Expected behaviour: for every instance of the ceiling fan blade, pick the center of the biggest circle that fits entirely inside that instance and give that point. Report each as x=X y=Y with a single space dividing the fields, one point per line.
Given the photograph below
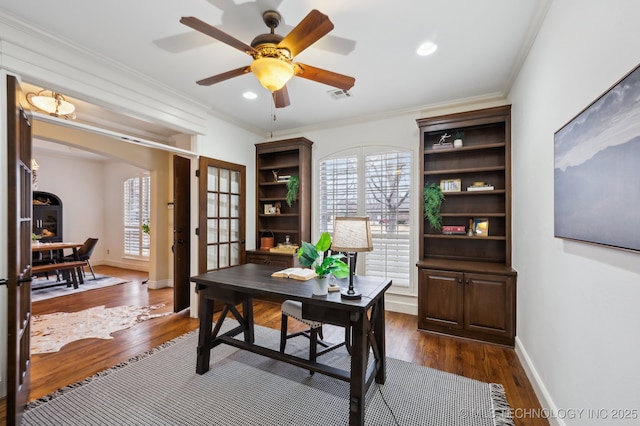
x=212 y=31
x=281 y=97
x=334 y=79
x=224 y=76
x=312 y=28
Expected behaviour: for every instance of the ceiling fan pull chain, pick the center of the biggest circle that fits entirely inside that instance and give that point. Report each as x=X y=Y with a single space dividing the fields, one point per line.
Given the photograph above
x=273 y=115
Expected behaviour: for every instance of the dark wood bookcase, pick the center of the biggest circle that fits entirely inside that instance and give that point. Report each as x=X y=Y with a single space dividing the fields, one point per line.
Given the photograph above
x=286 y=158
x=466 y=284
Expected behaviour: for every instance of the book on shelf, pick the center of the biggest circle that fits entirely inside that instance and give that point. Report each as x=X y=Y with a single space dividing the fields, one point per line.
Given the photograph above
x=481 y=188
x=284 y=178
x=443 y=145
x=453 y=230
x=300 y=274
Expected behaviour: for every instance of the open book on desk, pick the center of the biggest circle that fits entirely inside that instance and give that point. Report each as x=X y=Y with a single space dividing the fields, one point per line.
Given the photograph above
x=300 y=274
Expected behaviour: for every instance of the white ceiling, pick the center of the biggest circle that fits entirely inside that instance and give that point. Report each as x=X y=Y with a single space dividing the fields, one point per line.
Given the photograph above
x=481 y=45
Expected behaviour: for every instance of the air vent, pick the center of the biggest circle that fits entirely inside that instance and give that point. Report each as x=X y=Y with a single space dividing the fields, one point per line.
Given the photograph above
x=339 y=94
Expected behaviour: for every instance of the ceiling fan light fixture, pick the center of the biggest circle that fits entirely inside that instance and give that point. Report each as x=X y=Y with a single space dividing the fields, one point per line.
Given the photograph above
x=272 y=73
x=54 y=104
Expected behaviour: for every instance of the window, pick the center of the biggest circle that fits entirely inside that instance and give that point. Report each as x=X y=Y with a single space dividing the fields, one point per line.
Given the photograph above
x=136 y=214
x=377 y=185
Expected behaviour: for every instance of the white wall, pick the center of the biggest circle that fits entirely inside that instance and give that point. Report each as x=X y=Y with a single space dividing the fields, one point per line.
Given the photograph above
x=577 y=304
x=79 y=184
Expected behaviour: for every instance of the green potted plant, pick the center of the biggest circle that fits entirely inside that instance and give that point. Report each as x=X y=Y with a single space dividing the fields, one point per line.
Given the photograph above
x=311 y=256
x=433 y=197
x=457 y=140
x=292 y=189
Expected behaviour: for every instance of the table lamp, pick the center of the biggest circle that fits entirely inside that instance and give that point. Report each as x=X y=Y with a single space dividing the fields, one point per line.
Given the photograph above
x=351 y=235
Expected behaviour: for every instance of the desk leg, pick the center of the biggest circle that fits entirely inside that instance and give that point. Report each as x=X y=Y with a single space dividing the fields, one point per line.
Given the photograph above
x=379 y=341
x=204 y=336
x=358 y=369
x=247 y=311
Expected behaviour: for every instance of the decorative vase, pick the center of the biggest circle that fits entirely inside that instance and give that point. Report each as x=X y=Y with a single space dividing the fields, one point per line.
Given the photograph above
x=321 y=286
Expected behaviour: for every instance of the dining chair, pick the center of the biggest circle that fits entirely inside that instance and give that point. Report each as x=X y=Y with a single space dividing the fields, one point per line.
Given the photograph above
x=84 y=254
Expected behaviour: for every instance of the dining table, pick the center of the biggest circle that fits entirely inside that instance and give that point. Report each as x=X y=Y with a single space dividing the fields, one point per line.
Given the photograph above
x=59 y=247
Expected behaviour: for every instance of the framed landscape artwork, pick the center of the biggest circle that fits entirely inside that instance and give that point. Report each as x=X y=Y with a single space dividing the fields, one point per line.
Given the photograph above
x=597 y=170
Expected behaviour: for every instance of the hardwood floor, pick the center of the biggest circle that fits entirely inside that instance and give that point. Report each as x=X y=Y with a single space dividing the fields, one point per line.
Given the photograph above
x=80 y=359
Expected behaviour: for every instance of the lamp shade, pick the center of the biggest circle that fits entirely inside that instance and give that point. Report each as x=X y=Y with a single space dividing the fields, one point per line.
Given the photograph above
x=272 y=73
x=352 y=234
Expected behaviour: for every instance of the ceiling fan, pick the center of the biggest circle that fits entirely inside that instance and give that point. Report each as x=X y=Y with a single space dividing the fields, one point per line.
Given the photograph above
x=273 y=54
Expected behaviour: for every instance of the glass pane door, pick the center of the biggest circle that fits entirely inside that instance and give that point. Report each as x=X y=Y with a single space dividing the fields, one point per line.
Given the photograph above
x=222 y=233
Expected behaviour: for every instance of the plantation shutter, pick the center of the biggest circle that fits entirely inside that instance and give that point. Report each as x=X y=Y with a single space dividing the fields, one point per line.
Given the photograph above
x=387 y=203
x=338 y=190
x=136 y=213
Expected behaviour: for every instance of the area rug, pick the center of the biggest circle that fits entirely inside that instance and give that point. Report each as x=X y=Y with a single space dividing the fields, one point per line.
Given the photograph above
x=241 y=388
x=51 y=332
x=39 y=293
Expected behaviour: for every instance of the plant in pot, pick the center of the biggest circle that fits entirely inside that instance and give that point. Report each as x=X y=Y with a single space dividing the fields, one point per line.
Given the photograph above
x=292 y=189
x=433 y=198
x=457 y=141
x=312 y=256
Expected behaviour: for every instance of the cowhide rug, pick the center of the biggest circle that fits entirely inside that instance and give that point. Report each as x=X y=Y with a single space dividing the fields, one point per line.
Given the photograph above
x=51 y=332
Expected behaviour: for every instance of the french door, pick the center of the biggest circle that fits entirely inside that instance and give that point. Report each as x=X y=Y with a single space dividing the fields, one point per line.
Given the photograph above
x=221 y=228
x=19 y=209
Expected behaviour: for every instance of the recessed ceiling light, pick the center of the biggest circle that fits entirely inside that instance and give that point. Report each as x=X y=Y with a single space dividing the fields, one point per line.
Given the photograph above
x=427 y=48
x=250 y=95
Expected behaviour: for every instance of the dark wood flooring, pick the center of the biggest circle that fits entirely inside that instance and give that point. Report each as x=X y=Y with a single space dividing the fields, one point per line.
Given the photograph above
x=80 y=359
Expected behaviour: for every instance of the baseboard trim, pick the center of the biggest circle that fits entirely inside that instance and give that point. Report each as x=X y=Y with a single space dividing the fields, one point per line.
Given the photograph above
x=155 y=285
x=538 y=385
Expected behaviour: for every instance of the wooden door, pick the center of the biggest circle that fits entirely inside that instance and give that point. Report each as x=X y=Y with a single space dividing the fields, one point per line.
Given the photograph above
x=181 y=232
x=18 y=252
x=222 y=204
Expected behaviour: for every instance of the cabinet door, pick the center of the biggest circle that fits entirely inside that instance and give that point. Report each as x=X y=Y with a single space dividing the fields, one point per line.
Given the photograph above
x=46 y=223
x=489 y=304
x=440 y=300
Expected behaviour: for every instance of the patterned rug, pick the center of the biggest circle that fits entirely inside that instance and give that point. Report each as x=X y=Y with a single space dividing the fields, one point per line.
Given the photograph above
x=241 y=388
x=51 y=332
x=46 y=288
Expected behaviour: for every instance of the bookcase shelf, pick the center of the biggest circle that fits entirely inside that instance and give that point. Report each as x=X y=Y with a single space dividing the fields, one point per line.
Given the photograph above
x=290 y=157
x=466 y=286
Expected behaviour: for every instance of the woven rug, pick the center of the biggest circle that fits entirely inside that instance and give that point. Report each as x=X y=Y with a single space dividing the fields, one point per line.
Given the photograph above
x=41 y=287
x=161 y=387
x=51 y=332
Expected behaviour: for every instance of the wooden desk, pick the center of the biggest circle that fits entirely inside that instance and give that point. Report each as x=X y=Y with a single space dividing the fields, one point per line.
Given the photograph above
x=51 y=247
x=240 y=284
